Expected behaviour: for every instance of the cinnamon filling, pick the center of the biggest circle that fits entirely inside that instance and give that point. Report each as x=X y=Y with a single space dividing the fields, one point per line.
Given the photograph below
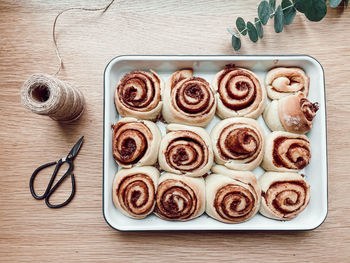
x=130 y=142
x=240 y=94
x=309 y=109
x=187 y=153
x=137 y=90
x=194 y=91
x=287 y=197
x=297 y=156
x=134 y=197
x=131 y=95
x=180 y=156
x=128 y=148
x=238 y=143
x=175 y=200
x=241 y=141
x=233 y=202
x=136 y=193
x=193 y=96
x=242 y=85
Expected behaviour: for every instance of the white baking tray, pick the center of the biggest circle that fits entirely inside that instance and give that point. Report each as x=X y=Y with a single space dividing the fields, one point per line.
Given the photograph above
x=206 y=67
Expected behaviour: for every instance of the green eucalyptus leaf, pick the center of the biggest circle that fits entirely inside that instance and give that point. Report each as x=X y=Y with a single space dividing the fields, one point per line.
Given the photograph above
x=240 y=24
x=236 y=42
x=253 y=34
x=302 y=5
x=259 y=28
x=272 y=4
x=314 y=10
x=289 y=12
x=334 y=3
x=317 y=10
x=264 y=12
x=278 y=23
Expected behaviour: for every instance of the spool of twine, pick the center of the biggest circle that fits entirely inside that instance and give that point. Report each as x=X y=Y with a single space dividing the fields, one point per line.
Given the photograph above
x=47 y=95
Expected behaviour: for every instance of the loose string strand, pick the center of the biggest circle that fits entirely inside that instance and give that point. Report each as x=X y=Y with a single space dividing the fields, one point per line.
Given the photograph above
x=54 y=28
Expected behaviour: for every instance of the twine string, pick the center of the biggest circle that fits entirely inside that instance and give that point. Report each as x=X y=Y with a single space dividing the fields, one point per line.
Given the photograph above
x=46 y=95
x=54 y=28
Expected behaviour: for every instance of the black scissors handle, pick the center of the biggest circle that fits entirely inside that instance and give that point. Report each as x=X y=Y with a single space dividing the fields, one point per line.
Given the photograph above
x=49 y=189
x=54 y=189
x=32 y=178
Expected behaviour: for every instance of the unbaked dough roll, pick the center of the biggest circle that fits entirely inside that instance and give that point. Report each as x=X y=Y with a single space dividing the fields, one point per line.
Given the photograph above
x=138 y=94
x=284 y=195
x=135 y=142
x=180 y=198
x=186 y=150
x=238 y=143
x=286 y=151
x=281 y=82
x=239 y=93
x=188 y=100
x=293 y=113
x=232 y=196
x=134 y=191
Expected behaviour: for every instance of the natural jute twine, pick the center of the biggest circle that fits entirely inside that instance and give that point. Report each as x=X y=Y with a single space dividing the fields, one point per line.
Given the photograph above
x=47 y=95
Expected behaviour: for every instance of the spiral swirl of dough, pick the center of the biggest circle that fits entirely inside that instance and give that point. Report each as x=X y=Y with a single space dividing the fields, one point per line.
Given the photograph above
x=281 y=82
x=180 y=197
x=188 y=100
x=134 y=190
x=238 y=143
x=286 y=151
x=239 y=93
x=284 y=195
x=135 y=142
x=186 y=150
x=138 y=94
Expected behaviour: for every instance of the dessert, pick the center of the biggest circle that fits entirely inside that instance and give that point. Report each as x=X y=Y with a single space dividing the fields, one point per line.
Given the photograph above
x=238 y=143
x=239 y=93
x=188 y=100
x=134 y=191
x=232 y=196
x=138 y=94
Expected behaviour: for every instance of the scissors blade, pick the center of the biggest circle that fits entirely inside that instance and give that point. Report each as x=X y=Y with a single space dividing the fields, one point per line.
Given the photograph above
x=75 y=148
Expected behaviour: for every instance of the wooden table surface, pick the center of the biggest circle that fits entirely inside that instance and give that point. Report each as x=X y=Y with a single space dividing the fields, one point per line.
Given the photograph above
x=88 y=41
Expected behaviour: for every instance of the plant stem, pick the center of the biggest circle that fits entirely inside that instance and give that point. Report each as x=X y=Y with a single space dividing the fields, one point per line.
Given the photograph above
x=287 y=7
x=258 y=21
x=243 y=30
x=271 y=15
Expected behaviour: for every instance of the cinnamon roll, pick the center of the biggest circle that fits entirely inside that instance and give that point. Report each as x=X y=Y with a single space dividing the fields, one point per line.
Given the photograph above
x=138 y=94
x=239 y=93
x=238 y=143
x=180 y=198
x=293 y=113
x=284 y=195
x=134 y=191
x=232 y=196
x=188 y=100
x=286 y=151
x=135 y=142
x=281 y=82
x=186 y=150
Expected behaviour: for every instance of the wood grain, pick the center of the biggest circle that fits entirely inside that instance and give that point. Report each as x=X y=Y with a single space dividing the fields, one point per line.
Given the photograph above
x=88 y=41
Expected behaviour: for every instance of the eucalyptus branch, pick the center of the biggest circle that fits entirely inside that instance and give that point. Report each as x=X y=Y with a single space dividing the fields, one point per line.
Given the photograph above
x=284 y=14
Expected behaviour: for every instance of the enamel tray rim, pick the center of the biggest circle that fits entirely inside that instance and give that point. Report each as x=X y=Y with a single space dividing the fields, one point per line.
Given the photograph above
x=207 y=58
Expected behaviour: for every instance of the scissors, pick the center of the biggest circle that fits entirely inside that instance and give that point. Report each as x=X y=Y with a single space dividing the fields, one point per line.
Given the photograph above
x=50 y=190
